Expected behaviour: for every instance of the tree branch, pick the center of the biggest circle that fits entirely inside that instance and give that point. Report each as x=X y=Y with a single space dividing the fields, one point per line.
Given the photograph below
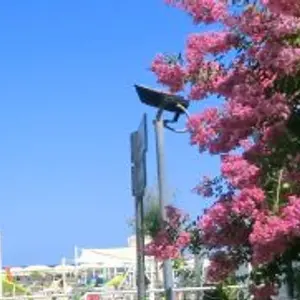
x=278 y=190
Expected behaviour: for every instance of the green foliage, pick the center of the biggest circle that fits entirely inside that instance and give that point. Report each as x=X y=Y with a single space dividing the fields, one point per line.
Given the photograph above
x=217 y=294
x=293 y=40
x=152 y=217
x=223 y=292
x=178 y=264
x=36 y=276
x=186 y=276
x=9 y=288
x=283 y=147
x=116 y=281
x=152 y=214
x=195 y=246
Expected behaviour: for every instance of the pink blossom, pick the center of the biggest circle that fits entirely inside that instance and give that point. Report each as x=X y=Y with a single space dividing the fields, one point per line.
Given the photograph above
x=239 y=171
x=174 y=216
x=168 y=73
x=203 y=127
x=205 y=188
x=264 y=291
x=289 y=7
x=206 y=11
x=162 y=247
x=221 y=266
x=183 y=239
x=206 y=74
x=220 y=227
x=258 y=218
x=268 y=238
x=172 y=238
x=198 y=45
x=279 y=57
x=248 y=201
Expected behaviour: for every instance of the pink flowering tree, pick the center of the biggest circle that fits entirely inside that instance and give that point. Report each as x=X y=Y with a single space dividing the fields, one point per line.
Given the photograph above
x=172 y=238
x=252 y=63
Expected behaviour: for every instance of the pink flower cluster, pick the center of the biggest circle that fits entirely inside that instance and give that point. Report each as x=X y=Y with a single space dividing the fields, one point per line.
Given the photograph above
x=175 y=217
x=248 y=202
x=239 y=172
x=171 y=239
x=221 y=266
x=289 y=7
x=272 y=234
x=264 y=291
x=259 y=217
x=202 y=127
x=282 y=58
x=221 y=227
x=162 y=247
x=205 y=188
x=198 y=45
x=168 y=73
x=207 y=11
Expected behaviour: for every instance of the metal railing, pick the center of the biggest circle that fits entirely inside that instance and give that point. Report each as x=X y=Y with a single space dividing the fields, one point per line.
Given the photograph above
x=187 y=293
x=39 y=297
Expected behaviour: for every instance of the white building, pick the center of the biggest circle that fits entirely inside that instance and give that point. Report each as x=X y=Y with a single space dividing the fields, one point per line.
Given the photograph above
x=112 y=261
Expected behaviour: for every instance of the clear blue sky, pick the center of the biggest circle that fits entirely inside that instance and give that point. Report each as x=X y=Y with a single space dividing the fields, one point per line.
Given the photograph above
x=67 y=108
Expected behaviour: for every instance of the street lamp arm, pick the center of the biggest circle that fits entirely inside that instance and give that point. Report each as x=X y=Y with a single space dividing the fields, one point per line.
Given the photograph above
x=175 y=119
x=183 y=109
x=159 y=114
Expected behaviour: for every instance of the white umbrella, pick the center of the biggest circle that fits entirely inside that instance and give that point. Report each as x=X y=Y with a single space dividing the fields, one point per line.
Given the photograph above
x=37 y=268
x=17 y=270
x=90 y=266
x=63 y=268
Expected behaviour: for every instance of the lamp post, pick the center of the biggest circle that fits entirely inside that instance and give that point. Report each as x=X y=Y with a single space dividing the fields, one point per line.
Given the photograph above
x=177 y=105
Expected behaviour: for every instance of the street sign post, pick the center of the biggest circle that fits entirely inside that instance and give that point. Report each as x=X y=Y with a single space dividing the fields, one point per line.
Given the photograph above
x=139 y=147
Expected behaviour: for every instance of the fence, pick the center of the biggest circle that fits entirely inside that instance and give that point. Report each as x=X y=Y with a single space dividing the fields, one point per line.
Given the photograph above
x=191 y=293
x=187 y=293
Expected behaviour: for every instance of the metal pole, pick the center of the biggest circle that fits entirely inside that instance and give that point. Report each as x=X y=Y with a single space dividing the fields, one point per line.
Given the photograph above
x=162 y=190
x=76 y=263
x=63 y=263
x=140 y=248
x=198 y=272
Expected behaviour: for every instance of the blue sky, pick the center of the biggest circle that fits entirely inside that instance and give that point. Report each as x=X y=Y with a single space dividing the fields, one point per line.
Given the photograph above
x=67 y=109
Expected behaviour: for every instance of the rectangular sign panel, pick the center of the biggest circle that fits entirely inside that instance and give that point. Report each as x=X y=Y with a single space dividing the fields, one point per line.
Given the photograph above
x=140 y=140
x=139 y=146
x=140 y=178
x=142 y=135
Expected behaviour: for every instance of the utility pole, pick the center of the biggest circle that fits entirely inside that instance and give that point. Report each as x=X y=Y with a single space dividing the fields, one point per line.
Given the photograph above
x=162 y=190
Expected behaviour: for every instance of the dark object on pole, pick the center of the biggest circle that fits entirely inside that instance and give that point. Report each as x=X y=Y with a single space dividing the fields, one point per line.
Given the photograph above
x=159 y=99
x=178 y=105
x=139 y=146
